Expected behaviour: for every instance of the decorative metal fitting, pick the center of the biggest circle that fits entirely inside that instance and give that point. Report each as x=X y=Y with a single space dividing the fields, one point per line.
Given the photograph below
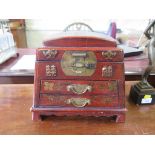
x=109 y=54
x=50 y=53
x=107 y=71
x=51 y=70
x=78 y=102
x=79 y=88
x=48 y=86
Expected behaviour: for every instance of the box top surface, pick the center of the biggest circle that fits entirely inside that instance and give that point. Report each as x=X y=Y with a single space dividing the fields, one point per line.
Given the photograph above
x=80 y=39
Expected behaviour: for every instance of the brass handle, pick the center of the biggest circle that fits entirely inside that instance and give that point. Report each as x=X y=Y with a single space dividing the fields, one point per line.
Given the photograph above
x=79 y=54
x=79 y=88
x=78 y=26
x=78 y=102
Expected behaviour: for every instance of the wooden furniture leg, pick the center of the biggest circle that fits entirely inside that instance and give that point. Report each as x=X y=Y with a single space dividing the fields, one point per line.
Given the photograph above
x=35 y=116
x=120 y=118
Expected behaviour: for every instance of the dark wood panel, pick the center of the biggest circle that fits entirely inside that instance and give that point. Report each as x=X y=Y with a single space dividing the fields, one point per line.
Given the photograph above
x=17 y=27
x=16 y=79
x=19 y=36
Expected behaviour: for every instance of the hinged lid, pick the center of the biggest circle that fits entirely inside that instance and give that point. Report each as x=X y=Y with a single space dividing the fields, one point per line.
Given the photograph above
x=80 y=38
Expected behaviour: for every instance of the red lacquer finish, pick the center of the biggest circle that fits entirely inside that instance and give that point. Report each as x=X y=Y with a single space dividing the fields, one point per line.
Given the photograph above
x=79 y=42
x=97 y=87
x=116 y=68
x=100 y=93
x=98 y=51
x=95 y=100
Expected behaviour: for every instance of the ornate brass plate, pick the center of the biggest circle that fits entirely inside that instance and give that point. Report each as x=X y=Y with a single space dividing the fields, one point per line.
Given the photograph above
x=51 y=70
x=109 y=54
x=78 y=63
x=50 y=53
x=107 y=71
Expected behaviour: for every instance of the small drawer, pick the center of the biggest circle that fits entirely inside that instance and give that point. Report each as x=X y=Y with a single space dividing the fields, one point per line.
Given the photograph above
x=79 y=87
x=101 y=71
x=78 y=101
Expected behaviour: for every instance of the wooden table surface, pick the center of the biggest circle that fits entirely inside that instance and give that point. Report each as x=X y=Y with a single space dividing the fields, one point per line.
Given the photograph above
x=15 y=117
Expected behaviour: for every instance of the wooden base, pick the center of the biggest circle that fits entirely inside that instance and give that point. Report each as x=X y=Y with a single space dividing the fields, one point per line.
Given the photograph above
x=120 y=118
x=35 y=116
x=118 y=113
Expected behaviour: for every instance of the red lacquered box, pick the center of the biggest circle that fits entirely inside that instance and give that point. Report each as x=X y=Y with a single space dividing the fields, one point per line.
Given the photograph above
x=80 y=73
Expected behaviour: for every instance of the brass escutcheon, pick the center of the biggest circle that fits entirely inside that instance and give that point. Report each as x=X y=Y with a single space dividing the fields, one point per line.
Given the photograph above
x=78 y=63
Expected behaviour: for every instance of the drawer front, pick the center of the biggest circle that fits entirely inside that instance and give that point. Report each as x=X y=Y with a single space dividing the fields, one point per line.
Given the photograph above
x=78 y=101
x=102 y=71
x=101 y=54
x=79 y=87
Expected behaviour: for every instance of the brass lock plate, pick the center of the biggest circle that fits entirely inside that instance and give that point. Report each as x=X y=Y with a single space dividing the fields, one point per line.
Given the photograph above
x=78 y=63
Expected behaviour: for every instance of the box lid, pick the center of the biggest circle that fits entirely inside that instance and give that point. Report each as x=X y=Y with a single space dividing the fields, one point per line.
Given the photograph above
x=80 y=39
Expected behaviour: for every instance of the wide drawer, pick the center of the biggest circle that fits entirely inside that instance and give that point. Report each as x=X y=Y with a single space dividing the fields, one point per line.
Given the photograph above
x=102 y=54
x=79 y=87
x=101 y=71
x=78 y=101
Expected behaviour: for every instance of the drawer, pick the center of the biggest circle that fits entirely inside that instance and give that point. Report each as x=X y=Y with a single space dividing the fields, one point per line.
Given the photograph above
x=79 y=87
x=101 y=54
x=101 y=71
x=78 y=101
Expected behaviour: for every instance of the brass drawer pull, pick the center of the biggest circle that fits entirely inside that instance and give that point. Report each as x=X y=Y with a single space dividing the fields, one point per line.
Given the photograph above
x=79 y=88
x=78 y=102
